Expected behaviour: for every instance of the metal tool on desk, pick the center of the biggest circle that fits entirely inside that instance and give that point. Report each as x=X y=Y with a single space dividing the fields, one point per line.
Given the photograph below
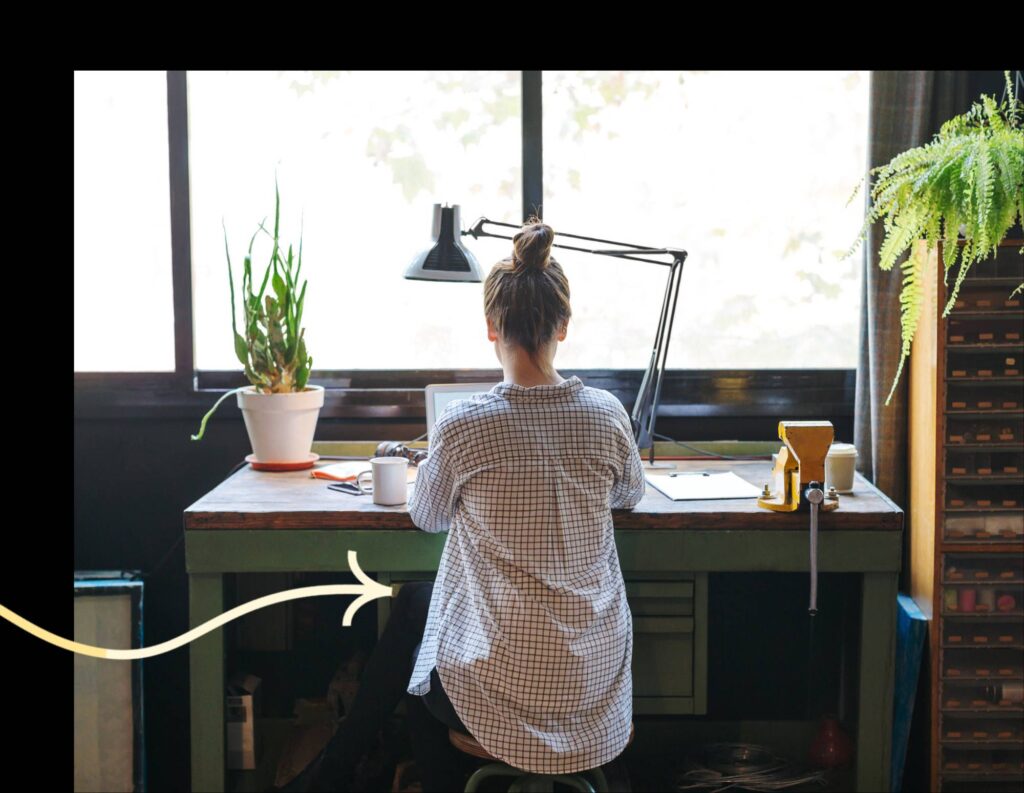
x=798 y=481
x=396 y=449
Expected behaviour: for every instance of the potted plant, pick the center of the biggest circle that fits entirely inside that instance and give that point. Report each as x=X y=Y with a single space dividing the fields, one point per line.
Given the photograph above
x=970 y=179
x=280 y=408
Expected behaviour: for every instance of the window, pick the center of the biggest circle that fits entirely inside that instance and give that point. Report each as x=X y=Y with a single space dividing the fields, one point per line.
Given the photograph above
x=124 y=320
x=749 y=172
x=680 y=159
x=361 y=157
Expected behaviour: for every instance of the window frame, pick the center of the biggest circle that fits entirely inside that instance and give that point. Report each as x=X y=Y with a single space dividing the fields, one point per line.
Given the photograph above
x=398 y=393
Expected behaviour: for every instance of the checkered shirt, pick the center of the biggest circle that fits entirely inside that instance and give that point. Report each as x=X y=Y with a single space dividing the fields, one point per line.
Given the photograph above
x=528 y=626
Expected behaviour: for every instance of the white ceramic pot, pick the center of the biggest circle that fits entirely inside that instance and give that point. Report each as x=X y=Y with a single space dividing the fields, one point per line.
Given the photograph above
x=281 y=426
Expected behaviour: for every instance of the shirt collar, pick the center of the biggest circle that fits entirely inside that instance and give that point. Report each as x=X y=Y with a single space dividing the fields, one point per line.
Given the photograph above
x=563 y=390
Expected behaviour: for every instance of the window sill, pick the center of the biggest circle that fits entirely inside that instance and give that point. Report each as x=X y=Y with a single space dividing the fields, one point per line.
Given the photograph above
x=398 y=394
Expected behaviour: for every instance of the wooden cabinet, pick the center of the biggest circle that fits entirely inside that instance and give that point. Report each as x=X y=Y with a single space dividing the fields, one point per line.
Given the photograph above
x=967 y=520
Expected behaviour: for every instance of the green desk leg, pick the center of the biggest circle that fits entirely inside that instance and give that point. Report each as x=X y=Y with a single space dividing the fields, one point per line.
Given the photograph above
x=877 y=671
x=206 y=687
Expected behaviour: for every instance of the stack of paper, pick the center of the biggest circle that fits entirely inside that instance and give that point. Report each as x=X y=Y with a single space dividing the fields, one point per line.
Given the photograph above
x=700 y=486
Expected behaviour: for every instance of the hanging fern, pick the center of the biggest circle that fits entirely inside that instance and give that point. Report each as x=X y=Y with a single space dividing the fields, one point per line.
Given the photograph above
x=972 y=176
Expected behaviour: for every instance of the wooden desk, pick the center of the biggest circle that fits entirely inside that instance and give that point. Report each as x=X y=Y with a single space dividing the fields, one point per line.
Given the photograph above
x=278 y=522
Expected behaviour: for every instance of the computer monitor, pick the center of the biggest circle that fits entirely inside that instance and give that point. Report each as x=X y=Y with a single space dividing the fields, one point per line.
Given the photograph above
x=437 y=396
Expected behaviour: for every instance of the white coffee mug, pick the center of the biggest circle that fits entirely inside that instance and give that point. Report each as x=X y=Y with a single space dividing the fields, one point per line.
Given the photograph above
x=390 y=477
x=839 y=467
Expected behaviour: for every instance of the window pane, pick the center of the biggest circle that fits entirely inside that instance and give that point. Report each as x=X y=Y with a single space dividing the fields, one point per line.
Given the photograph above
x=360 y=157
x=750 y=173
x=124 y=314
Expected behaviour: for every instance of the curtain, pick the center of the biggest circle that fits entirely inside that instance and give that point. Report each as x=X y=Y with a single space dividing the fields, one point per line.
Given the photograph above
x=906 y=109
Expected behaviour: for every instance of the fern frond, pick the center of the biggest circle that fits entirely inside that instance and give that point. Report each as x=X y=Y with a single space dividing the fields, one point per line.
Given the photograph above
x=856 y=190
x=984 y=187
x=911 y=300
x=1009 y=163
x=906 y=229
x=966 y=260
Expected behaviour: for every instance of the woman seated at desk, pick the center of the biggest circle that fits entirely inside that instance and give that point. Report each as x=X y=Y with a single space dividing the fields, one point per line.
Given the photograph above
x=525 y=638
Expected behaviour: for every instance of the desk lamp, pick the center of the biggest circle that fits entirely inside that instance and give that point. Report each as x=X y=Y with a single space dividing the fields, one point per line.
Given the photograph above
x=448 y=260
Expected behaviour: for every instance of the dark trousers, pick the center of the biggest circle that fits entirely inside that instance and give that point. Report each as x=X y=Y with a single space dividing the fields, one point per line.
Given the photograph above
x=381 y=688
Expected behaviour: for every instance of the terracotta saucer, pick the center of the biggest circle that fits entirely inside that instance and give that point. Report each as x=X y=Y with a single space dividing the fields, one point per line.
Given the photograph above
x=299 y=466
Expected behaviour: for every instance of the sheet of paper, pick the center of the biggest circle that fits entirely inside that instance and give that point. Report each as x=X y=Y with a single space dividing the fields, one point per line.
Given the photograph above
x=699 y=487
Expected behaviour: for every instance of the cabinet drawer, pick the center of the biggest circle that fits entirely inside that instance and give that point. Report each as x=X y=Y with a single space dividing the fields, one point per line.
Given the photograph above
x=654 y=598
x=663 y=625
x=662 y=657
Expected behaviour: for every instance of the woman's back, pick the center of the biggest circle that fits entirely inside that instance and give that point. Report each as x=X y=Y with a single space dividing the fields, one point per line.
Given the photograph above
x=529 y=626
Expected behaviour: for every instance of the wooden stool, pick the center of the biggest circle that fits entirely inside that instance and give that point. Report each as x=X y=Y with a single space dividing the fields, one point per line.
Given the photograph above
x=592 y=781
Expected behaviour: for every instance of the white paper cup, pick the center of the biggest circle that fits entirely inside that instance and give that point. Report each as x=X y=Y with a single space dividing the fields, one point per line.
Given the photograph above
x=390 y=480
x=840 y=465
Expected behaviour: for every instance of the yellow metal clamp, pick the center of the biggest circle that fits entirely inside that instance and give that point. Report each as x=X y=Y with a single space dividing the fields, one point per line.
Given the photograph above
x=798 y=463
x=800 y=474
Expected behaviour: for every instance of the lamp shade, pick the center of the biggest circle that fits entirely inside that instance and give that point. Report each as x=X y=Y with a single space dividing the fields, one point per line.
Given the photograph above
x=446 y=259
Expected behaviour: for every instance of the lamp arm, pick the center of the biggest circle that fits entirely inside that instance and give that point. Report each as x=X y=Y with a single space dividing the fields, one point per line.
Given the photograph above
x=633 y=252
x=645 y=409
x=648 y=398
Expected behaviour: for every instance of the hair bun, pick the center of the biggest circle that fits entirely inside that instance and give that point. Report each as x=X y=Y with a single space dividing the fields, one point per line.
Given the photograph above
x=531 y=247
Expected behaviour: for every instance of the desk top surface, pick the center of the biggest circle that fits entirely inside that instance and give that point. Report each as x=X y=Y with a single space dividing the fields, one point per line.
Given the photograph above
x=295 y=500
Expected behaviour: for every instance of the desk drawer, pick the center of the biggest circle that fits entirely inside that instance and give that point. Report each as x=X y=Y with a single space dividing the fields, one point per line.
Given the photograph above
x=669 y=645
x=660 y=598
x=662 y=657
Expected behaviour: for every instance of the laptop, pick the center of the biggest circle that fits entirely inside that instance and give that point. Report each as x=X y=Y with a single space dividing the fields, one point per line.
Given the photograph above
x=437 y=396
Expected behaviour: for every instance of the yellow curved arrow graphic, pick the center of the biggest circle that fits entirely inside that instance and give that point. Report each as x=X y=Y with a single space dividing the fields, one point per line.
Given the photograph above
x=367 y=590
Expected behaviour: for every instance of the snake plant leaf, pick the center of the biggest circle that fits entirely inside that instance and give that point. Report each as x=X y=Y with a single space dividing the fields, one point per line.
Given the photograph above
x=241 y=349
x=277 y=213
x=263 y=285
x=305 y=364
x=279 y=288
x=202 y=426
x=299 y=304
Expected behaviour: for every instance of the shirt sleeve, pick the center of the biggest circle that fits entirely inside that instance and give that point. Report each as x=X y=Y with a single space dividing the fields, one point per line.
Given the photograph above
x=630 y=486
x=435 y=493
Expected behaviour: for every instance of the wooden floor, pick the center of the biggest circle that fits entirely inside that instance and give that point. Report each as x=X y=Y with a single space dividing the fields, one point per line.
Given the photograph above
x=652 y=764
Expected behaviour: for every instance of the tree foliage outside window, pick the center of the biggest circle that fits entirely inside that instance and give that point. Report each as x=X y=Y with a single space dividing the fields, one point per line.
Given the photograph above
x=711 y=162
